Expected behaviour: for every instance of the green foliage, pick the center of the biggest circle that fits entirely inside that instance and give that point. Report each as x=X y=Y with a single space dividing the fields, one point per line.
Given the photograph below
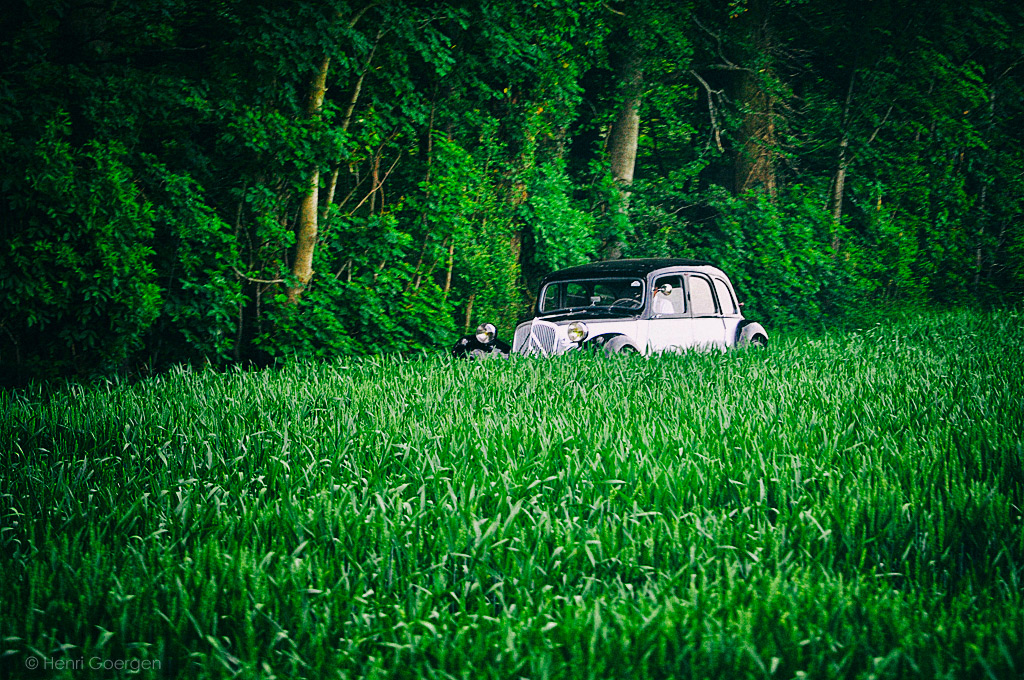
x=79 y=290
x=563 y=234
x=371 y=314
x=155 y=160
x=831 y=507
x=203 y=292
x=780 y=258
x=778 y=252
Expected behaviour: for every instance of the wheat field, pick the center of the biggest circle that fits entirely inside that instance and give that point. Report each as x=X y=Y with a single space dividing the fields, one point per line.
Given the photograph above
x=846 y=505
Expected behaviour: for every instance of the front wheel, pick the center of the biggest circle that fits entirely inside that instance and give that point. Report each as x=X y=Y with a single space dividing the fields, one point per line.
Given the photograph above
x=758 y=342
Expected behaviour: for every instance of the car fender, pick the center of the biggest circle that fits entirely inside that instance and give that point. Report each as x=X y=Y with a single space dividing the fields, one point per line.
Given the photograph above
x=746 y=331
x=611 y=343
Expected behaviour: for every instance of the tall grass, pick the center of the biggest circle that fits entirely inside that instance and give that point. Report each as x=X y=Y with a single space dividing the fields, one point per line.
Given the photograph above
x=843 y=506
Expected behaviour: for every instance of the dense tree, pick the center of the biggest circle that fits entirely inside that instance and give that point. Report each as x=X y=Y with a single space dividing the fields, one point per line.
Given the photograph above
x=230 y=181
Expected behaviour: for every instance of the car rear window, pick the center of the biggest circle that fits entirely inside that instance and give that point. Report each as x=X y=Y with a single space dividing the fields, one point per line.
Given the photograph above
x=725 y=297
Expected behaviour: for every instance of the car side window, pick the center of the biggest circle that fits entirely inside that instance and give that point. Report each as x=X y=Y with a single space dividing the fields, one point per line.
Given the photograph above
x=671 y=304
x=702 y=300
x=725 y=297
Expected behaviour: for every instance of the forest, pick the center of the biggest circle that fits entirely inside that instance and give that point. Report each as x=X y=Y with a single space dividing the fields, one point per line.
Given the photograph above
x=226 y=182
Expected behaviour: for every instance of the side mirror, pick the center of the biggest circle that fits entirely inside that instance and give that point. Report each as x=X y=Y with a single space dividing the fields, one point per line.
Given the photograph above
x=664 y=289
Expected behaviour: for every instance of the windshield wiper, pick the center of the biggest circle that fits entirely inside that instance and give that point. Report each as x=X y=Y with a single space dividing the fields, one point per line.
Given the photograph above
x=567 y=310
x=623 y=309
x=592 y=310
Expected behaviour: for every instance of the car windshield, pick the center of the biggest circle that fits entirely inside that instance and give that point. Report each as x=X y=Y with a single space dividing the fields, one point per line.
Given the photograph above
x=622 y=294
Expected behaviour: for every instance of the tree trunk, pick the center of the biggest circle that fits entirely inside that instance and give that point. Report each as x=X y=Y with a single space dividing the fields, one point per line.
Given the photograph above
x=448 y=272
x=305 y=238
x=978 y=250
x=982 y=210
x=755 y=161
x=624 y=138
x=469 y=311
x=754 y=165
x=839 y=189
x=306 y=235
x=625 y=132
x=839 y=185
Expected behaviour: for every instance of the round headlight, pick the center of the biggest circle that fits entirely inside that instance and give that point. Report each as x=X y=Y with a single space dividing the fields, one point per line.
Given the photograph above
x=578 y=331
x=486 y=332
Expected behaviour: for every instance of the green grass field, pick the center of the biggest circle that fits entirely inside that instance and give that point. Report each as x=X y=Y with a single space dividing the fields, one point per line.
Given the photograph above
x=841 y=506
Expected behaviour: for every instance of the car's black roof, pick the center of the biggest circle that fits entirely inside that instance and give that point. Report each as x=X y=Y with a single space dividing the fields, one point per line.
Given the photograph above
x=635 y=267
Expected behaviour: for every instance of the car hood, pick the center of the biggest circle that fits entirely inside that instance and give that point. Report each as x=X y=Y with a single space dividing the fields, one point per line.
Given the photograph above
x=589 y=315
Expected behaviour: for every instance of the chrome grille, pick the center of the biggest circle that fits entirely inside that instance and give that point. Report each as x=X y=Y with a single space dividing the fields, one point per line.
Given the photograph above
x=522 y=336
x=537 y=337
x=543 y=338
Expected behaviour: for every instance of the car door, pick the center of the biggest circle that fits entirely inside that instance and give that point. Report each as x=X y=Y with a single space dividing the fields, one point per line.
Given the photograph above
x=669 y=325
x=707 y=327
x=731 y=316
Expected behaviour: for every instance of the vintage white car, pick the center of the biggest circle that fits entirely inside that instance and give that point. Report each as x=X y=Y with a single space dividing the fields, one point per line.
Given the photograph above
x=644 y=305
